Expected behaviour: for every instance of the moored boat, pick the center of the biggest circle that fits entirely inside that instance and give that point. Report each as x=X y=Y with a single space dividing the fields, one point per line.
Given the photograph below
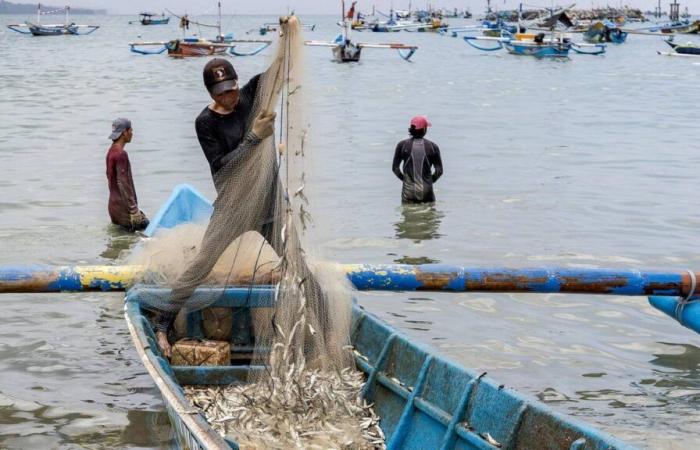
x=51 y=30
x=58 y=29
x=537 y=45
x=346 y=50
x=423 y=399
x=602 y=32
x=153 y=19
x=689 y=49
x=182 y=48
x=193 y=46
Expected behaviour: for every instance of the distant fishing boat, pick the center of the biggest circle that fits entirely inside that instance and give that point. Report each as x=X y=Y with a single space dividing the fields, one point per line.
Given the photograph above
x=678 y=27
x=494 y=28
x=396 y=21
x=60 y=29
x=152 y=19
x=607 y=31
x=346 y=50
x=556 y=45
x=689 y=49
x=268 y=27
x=423 y=400
x=682 y=28
x=194 y=46
x=537 y=45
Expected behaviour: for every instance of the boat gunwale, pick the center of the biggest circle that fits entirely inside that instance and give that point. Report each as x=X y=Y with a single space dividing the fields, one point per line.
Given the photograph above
x=169 y=389
x=376 y=374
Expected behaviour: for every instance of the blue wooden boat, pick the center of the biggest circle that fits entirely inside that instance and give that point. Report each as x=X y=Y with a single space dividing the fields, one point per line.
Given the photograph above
x=424 y=400
x=151 y=19
x=539 y=45
x=607 y=31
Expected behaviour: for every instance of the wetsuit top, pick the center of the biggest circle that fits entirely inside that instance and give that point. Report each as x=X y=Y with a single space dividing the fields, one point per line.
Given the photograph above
x=419 y=157
x=220 y=134
x=122 y=194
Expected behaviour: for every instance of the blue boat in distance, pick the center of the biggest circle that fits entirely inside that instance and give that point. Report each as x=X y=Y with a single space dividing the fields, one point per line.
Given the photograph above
x=153 y=19
x=68 y=27
x=424 y=401
x=606 y=31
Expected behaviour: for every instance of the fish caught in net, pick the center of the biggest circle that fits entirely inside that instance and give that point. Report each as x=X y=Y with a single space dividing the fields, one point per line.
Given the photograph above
x=260 y=233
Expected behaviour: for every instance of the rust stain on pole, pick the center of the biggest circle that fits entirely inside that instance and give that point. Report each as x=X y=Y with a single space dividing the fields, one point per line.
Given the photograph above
x=431 y=281
x=575 y=284
x=504 y=283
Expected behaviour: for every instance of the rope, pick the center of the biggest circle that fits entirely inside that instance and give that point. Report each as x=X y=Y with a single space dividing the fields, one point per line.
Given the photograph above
x=684 y=301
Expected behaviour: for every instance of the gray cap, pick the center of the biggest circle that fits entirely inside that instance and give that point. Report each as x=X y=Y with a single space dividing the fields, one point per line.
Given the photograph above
x=119 y=126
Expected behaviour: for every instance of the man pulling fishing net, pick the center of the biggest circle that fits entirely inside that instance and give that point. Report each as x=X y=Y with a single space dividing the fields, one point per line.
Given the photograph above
x=307 y=393
x=236 y=134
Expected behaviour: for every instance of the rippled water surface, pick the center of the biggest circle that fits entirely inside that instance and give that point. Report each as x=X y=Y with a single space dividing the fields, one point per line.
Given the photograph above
x=588 y=162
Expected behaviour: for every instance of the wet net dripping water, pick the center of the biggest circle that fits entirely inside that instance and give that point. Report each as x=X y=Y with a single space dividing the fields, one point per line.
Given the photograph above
x=306 y=392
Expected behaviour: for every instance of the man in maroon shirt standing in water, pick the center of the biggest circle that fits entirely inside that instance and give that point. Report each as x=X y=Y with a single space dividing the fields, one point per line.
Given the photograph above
x=123 y=205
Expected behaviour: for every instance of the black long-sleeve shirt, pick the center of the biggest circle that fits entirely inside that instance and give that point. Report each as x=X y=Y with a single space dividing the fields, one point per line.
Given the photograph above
x=419 y=158
x=221 y=134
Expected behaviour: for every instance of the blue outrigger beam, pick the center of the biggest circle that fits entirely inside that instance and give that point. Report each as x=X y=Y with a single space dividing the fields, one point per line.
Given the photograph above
x=674 y=293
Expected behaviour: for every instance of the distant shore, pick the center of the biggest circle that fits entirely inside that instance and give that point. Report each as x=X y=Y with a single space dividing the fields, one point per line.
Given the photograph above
x=30 y=8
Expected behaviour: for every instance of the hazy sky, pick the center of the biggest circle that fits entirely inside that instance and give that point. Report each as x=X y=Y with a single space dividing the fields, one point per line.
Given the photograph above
x=329 y=6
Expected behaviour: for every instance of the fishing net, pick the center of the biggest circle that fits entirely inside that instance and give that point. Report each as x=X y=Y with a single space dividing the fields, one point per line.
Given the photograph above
x=259 y=233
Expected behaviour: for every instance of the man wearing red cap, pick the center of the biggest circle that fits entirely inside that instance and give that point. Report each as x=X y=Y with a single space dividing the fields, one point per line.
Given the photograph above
x=422 y=165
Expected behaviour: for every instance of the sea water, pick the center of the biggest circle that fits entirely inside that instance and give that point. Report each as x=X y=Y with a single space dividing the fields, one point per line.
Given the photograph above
x=586 y=162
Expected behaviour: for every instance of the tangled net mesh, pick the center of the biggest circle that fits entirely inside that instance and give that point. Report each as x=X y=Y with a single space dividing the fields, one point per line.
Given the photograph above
x=307 y=391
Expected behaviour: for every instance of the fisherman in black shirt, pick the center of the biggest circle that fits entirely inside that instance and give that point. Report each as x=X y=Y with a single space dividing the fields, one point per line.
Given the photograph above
x=221 y=126
x=221 y=130
x=419 y=157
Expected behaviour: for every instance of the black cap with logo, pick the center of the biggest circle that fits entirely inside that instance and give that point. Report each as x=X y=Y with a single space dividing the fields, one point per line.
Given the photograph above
x=219 y=76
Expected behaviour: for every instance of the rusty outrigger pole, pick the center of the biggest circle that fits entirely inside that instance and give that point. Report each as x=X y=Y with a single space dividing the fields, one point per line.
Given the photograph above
x=674 y=293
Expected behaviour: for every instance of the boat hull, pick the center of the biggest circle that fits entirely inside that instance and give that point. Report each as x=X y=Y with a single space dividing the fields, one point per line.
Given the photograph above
x=181 y=49
x=347 y=53
x=155 y=21
x=424 y=400
x=692 y=28
x=538 y=50
x=37 y=30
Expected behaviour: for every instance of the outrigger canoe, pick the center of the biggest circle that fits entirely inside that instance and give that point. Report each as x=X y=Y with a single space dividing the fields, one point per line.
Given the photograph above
x=424 y=400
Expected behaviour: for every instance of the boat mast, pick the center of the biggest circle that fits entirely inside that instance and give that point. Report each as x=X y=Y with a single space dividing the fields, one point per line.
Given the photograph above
x=38 y=14
x=673 y=14
x=220 y=37
x=67 y=14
